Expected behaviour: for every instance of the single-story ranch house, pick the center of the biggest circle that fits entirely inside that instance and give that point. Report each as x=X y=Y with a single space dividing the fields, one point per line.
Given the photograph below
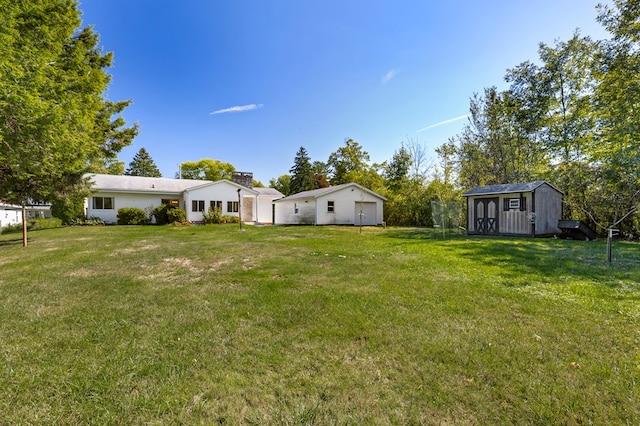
x=111 y=192
x=524 y=209
x=346 y=204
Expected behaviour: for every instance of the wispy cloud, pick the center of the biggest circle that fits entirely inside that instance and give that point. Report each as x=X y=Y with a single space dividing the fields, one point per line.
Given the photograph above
x=239 y=108
x=442 y=123
x=388 y=76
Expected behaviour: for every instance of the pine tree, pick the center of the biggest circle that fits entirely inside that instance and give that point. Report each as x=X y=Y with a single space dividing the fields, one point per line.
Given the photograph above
x=143 y=165
x=302 y=176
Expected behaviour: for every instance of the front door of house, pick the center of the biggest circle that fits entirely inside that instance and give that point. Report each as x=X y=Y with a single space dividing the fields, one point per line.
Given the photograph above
x=486 y=215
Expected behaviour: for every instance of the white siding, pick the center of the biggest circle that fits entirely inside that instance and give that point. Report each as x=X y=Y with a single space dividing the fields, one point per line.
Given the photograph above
x=344 y=206
x=306 y=214
x=9 y=217
x=142 y=201
x=218 y=191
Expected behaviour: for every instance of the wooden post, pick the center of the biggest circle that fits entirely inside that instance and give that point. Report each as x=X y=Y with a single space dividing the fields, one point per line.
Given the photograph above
x=610 y=235
x=24 y=225
x=239 y=209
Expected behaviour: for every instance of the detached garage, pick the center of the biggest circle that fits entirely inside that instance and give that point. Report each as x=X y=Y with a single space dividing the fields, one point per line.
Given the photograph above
x=346 y=204
x=530 y=209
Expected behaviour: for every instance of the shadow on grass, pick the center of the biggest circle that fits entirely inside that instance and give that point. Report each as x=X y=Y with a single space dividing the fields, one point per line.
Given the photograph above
x=522 y=261
x=16 y=242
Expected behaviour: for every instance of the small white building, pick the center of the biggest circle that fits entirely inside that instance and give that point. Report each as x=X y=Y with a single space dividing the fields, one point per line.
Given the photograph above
x=346 y=204
x=111 y=192
x=11 y=214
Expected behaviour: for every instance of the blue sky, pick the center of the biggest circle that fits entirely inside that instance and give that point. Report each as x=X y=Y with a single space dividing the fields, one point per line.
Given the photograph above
x=250 y=81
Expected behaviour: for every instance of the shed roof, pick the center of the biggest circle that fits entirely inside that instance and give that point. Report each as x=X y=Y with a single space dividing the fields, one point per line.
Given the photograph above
x=508 y=188
x=315 y=193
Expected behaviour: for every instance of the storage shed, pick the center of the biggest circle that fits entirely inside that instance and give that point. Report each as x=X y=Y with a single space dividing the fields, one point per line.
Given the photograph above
x=346 y=204
x=530 y=209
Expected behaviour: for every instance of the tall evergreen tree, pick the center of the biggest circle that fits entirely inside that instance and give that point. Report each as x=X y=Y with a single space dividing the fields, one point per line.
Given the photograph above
x=302 y=176
x=143 y=165
x=54 y=119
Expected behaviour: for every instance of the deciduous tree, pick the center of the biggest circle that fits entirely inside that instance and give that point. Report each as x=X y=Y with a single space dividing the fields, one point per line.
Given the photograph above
x=206 y=169
x=54 y=120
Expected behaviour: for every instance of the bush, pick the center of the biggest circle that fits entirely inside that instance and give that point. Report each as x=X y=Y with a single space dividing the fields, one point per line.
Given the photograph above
x=91 y=221
x=176 y=215
x=15 y=227
x=53 y=222
x=229 y=219
x=211 y=216
x=33 y=225
x=165 y=214
x=160 y=214
x=67 y=210
x=132 y=216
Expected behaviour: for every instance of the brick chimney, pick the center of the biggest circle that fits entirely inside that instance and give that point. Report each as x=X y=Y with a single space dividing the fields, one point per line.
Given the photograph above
x=243 y=178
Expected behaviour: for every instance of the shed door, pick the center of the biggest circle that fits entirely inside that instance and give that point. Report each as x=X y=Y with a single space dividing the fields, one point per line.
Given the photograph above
x=366 y=212
x=486 y=212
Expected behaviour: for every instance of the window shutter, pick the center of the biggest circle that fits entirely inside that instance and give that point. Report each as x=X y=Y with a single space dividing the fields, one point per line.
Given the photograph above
x=523 y=203
x=505 y=204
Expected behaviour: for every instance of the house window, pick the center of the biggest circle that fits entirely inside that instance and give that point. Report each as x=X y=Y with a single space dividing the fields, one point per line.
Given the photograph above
x=514 y=203
x=330 y=206
x=197 y=205
x=216 y=205
x=103 y=203
x=172 y=203
x=232 y=206
x=295 y=208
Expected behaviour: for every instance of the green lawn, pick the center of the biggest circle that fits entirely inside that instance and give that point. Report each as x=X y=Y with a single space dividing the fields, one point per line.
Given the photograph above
x=315 y=325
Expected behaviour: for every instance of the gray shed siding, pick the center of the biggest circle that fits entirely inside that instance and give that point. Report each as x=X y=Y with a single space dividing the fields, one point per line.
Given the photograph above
x=543 y=200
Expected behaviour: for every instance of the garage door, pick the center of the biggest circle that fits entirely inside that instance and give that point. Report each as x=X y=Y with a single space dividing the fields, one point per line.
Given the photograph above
x=366 y=211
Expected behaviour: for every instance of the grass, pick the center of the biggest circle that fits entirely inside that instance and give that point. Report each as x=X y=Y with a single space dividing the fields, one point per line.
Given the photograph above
x=315 y=325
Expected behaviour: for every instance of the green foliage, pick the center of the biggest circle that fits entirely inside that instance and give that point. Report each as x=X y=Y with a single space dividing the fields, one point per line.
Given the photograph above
x=69 y=205
x=90 y=221
x=44 y=223
x=348 y=163
x=164 y=214
x=302 y=176
x=571 y=120
x=316 y=325
x=176 y=215
x=282 y=184
x=211 y=216
x=396 y=171
x=56 y=121
x=33 y=225
x=132 y=216
x=206 y=169
x=12 y=227
x=143 y=165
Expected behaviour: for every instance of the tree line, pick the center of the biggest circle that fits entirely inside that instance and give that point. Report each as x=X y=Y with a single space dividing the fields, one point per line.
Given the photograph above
x=572 y=118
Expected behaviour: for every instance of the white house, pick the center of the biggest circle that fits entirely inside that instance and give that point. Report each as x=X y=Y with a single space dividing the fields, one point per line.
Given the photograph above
x=11 y=214
x=111 y=193
x=346 y=204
